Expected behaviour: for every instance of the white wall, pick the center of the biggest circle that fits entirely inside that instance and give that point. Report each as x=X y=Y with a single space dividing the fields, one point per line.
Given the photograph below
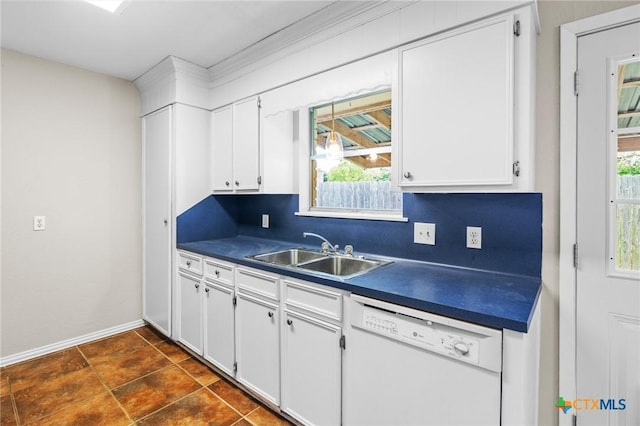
x=70 y=152
x=552 y=15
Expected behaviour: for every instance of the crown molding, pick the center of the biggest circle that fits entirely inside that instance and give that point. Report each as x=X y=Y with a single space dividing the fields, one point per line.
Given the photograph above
x=337 y=18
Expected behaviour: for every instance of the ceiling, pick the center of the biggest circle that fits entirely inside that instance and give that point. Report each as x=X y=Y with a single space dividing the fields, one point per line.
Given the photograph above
x=204 y=32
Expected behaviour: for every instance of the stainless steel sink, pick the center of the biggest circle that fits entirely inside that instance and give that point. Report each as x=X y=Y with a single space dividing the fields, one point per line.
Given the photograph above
x=341 y=265
x=313 y=261
x=288 y=257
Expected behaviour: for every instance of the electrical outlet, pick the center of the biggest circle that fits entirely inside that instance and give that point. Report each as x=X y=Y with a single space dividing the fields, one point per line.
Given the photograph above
x=265 y=220
x=38 y=223
x=474 y=237
x=424 y=233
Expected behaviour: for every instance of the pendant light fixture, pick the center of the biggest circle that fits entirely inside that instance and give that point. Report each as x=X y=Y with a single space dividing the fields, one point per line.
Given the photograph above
x=333 y=146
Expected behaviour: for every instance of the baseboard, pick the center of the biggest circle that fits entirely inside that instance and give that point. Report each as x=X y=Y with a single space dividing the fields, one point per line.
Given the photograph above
x=44 y=350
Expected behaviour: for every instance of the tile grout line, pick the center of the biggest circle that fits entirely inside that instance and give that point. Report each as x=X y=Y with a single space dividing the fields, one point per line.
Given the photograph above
x=20 y=423
x=105 y=385
x=170 y=404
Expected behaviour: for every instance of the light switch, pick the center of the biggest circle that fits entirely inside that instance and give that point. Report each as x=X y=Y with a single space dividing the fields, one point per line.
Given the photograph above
x=424 y=233
x=265 y=220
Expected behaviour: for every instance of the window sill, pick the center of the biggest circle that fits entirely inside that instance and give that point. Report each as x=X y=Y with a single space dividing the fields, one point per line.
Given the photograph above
x=354 y=215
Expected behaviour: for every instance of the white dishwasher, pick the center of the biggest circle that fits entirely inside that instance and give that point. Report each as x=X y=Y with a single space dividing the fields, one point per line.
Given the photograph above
x=408 y=367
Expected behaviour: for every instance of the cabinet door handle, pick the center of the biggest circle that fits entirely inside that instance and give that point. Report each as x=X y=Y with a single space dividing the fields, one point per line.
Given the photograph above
x=407 y=175
x=217 y=273
x=166 y=222
x=188 y=263
x=227 y=183
x=206 y=290
x=270 y=314
x=237 y=183
x=289 y=322
x=197 y=286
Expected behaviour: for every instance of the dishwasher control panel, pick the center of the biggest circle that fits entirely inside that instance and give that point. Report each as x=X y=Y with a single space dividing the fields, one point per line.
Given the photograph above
x=426 y=334
x=466 y=342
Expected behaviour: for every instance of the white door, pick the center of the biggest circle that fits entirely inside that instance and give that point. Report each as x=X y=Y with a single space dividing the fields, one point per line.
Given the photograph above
x=219 y=336
x=258 y=346
x=190 y=312
x=157 y=219
x=608 y=235
x=311 y=370
x=246 y=144
x=222 y=149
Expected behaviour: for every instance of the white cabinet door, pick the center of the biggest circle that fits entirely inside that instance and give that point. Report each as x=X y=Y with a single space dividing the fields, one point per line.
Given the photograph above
x=246 y=144
x=222 y=149
x=219 y=336
x=157 y=230
x=257 y=346
x=456 y=108
x=190 y=312
x=311 y=370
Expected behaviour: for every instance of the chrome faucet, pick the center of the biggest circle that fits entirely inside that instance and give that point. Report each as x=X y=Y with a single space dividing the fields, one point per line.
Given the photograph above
x=326 y=245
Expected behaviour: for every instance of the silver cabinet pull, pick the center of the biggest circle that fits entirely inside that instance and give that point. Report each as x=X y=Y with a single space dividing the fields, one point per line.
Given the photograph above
x=270 y=314
x=227 y=183
x=188 y=263
x=237 y=183
x=206 y=290
x=407 y=175
x=217 y=273
x=289 y=322
x=197 y=286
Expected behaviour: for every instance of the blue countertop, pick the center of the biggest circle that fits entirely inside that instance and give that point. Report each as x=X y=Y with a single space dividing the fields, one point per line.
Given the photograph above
x=487 y=298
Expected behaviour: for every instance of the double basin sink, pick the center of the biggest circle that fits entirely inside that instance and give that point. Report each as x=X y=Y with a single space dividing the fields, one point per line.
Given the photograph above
x=313 y=261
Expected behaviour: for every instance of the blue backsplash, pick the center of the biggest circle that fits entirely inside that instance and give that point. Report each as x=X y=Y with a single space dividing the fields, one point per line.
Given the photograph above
x=511 y=227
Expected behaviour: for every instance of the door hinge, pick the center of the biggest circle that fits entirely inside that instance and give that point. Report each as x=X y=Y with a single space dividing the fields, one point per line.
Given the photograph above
x=259 y=102
x=343 y=342
x=234 y=300
x=574 y=420
x=259 y=180
x=575 y=255
x=516 y=168
x=235 y=367
x=576 y=83
x=516 y=28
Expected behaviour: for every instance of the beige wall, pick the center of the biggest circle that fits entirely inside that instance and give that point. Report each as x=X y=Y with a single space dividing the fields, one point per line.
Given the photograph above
x=70 y=152
x=552 y=15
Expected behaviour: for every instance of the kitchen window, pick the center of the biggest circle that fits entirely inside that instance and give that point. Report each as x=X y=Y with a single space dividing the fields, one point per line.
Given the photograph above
x=353 y=179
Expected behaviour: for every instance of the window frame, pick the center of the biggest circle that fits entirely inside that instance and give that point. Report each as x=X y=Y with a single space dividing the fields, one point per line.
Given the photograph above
x=305 y=208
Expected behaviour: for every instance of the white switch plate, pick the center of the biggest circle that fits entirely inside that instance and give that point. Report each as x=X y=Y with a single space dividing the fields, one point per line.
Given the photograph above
x=424 y=233
x=265 y=220
x=38 y=223
x=474 y=237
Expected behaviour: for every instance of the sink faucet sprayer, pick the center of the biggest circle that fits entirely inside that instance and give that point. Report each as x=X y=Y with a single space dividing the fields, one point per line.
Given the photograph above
x=326 y=244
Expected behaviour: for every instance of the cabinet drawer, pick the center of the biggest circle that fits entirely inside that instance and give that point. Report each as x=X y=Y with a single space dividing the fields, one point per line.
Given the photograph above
x=218 y=271
x=258 y=283
x=313 y=299
x=190 y=262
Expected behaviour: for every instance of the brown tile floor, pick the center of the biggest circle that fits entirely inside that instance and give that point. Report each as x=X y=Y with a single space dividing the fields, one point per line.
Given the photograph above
x=133 y=378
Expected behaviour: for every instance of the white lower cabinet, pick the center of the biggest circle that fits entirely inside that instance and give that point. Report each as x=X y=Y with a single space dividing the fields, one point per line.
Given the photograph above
x=219 y=314
x=257 y=346
x=286 y=349
x=258 y=332
x=312 y=353
x=311 y=369
x=219 y=336
x=190 y=311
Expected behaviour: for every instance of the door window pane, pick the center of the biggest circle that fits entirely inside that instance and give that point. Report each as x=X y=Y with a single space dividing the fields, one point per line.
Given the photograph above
x=627 y=200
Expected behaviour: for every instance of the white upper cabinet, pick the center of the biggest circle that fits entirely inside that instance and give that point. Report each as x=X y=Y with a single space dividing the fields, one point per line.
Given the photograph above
x=222 y=148
x=456 y=108
x=246 y=144
x=235 y=146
